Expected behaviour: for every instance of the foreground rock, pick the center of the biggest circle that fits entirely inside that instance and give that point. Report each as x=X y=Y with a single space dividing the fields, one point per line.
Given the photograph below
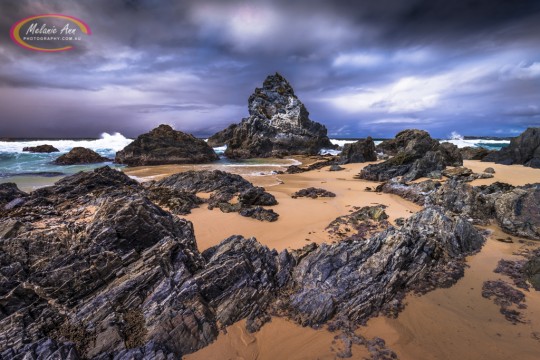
x=94 y=269
x=162 y=146
x=278 y=125
x=313 y=193
x=79 y=156
x=524 y=150
x=41 y=149
x=10 y=192
x=361 y=224
x=415 y=154
x=358 y=152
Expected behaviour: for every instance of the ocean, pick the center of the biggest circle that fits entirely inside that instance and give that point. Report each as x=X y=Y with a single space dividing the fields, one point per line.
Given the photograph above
x=31 y=171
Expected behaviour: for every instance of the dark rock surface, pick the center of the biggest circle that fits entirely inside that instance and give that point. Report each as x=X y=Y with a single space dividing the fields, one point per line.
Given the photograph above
x=457 y=171
x=10 y=192
x=415 y=154
x=176 y=201
x=259 y=213
x=531 y=269
x=41 y=149
x=256 y=196
x=80 y=155
x=94 y=269
x=474 y=153
x=204 y=181
x=524 y=150
x=162 y=146
x=313 y=193
x=278 y=125
x=358 y=152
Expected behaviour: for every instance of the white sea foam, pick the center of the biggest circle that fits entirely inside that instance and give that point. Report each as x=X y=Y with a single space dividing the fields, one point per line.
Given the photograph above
x=461 y=143
x=106 y=143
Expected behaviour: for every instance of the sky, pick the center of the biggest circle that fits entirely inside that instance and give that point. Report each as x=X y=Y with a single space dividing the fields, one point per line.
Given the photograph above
x=362 y=68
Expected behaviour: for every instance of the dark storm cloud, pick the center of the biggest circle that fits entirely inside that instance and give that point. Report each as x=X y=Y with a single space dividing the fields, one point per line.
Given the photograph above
x=361 y=67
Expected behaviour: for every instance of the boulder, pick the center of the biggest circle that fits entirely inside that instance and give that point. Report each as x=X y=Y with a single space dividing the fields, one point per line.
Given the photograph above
x=79 y=156
x=474 y=153
x=489 y=170
x=260 y=213
x=163 y=145
x=41 y=149
x=524 y=150
x=415 y=154
x=313 y=193
x=335 y=167
x=358 y=152
x=278 y=125
x=457 y=171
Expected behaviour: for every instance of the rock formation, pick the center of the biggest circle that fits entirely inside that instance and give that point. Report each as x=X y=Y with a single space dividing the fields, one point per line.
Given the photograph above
x=415 y=154
x=278 y=125
x=163 y=145
x=41 y=149
x=80 y=155
x=524 y=150
x=92 y=268
x=358 y=152
x=474 y=153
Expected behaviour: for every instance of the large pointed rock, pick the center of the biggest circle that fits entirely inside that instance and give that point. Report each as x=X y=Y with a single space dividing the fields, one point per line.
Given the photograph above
x=162 y=146
x=278 y=125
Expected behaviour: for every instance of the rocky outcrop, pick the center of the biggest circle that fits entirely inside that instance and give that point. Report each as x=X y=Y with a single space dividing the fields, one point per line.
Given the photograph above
x=80 y=155
x=313 y=193
x=163 y=145
x=351 y=281
x=224 y=188
x=517 y=211
x=295 y=169
x=95 y=269
x=40 y=149
x=524 y=150
x=415 y=154
x=358 y=152
x=278 y=125
x=474 y=153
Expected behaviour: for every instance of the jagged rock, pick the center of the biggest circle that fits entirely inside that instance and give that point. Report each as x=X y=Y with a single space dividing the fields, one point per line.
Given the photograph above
x=489 y=170
x=415 y=192
x=41 y=149
x=358 y=152
x=259 y=213
x=313 y=193
x=354 y=280
x=163 y=145
x=457 y=171
x=517 y=211
x=415 y=154
x=204 y=181
x=360 y=224
x=256 y=196
x=10 y=192
x=474 y=153
x=278 y=125
x=80 y=155
x=176 y=201
x=335 y=168
x=524 y=150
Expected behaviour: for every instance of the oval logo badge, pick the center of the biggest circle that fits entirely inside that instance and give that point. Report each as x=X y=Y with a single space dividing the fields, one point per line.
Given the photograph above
x=49 y=32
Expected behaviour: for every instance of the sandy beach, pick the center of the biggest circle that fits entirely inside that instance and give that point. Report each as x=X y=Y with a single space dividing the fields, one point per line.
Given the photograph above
x=473 y=327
